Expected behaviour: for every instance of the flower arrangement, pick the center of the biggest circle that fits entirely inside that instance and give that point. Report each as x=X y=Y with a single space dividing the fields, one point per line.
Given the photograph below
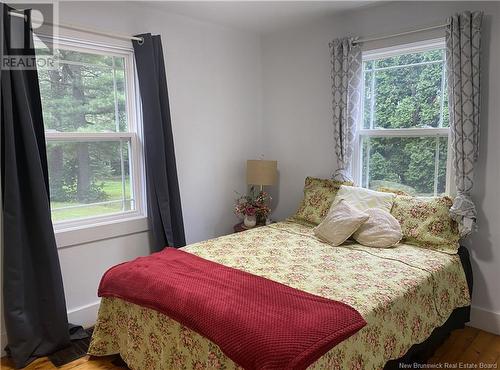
x=253 y=205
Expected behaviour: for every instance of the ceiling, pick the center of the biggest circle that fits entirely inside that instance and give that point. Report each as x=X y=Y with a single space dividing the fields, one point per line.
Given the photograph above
x=257 y=16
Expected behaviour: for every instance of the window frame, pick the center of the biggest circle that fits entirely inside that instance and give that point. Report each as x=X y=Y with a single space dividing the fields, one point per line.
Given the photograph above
x=65 y=229
x=437 y=132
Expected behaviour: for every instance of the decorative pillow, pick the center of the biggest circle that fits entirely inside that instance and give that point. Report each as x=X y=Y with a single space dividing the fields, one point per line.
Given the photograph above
x=318 y=197
x=426 y=222
x=363 y=199
x=340 y=223
x=381 y=230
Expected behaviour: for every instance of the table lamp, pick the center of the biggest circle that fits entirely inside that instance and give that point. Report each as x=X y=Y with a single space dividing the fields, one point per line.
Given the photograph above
x=261 y=172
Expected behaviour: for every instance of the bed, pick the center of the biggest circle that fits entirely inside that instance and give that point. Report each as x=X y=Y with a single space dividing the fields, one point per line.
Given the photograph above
x=410 y=298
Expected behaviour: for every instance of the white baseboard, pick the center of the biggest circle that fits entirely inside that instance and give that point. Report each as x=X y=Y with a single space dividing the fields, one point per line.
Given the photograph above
x=85 y=316
x=485 y=320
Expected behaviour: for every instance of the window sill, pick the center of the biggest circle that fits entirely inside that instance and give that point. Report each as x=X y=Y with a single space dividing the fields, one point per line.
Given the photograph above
x=101 y=231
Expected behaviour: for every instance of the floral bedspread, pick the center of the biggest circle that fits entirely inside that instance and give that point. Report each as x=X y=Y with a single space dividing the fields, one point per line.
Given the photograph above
x=403 y=293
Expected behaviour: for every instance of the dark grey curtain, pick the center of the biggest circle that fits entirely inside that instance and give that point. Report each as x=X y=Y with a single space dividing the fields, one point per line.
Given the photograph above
x=33 y=296
x=164 y=201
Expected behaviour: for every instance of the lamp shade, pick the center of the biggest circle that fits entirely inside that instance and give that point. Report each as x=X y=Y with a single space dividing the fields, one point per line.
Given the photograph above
x=260 y=172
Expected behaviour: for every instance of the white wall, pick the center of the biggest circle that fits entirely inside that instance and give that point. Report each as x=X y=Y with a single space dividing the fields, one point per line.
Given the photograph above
x=214 y=83
x=299 y=133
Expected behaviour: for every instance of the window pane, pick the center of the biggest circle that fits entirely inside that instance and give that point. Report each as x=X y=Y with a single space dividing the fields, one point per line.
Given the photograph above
x=369 y=101
x=86 y=93
x=89 y=179
x=443 y=159
x=446 y=112
x=401 y=92
x=80 y=57
x=416 y=165
x=411 y=58
x=408 y=96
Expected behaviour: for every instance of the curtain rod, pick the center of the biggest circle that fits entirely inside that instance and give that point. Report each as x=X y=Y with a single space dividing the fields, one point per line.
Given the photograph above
x=399 y=34
x=79 y=28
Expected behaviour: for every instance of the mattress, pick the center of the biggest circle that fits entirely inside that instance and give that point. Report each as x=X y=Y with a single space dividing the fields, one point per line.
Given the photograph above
x=403 y=293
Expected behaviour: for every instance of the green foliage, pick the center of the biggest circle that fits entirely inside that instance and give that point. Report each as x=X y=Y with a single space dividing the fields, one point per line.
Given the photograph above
x=381 y=169
x=405 y=95
x=113 y=189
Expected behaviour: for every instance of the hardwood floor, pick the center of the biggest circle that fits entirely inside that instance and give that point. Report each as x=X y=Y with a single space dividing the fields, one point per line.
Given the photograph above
x=84 y=363
x=466 y=346
x=469 y=345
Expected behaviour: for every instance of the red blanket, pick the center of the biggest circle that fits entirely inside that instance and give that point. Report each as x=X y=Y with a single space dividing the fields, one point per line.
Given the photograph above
x=258 y=323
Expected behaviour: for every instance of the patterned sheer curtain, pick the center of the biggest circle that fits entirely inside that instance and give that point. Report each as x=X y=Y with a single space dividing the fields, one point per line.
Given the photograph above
x=463 y=44
x=346 y=88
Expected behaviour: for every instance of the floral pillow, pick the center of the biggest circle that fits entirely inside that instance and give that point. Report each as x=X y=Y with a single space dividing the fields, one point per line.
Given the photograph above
x=426 y=222
x=318 y=197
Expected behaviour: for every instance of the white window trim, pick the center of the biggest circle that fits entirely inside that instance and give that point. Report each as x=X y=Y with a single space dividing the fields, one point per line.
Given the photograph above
x=86 y=230
x=368 y=55
x=104 y=230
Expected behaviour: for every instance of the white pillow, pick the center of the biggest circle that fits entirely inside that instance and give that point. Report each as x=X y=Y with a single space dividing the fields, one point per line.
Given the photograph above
x=381 y=230
x=363 y=199
x=340 y=223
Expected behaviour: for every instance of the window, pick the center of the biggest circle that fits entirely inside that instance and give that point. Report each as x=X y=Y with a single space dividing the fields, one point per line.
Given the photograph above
x=93 y=142
x=403 y=139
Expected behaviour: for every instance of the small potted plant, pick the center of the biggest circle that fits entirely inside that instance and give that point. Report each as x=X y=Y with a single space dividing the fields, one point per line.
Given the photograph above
x=253 y=208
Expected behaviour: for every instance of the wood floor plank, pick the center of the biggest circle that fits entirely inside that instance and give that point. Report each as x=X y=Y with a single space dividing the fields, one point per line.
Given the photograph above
x=491 y=353
x=462 y=342
x=477 y=348
x=454 y=345
x=75 y=364
x=39 y=364
x=445 y=347
x=99 y=363
x=467 y=345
